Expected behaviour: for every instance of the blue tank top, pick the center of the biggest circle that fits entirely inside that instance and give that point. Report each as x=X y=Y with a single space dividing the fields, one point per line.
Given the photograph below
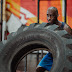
x=63 y=23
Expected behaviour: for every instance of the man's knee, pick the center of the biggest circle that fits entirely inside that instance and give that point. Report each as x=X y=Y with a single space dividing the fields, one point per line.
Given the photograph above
x=40 y=69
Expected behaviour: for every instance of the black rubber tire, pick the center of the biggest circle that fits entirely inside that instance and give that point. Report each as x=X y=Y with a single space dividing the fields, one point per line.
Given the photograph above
x=27 y=39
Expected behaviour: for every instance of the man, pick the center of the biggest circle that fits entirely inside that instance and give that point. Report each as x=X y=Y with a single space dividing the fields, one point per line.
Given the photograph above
x=47 y=61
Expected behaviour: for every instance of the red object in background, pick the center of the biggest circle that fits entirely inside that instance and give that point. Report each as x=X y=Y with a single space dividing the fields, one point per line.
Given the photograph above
x=69 y=8
x=69 y=12
x=30 y=5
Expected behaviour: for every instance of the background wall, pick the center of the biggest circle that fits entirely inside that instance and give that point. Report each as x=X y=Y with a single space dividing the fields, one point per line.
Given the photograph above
x=26 y=10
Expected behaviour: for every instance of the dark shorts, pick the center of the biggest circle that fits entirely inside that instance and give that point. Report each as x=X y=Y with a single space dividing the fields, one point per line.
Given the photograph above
x=46 y=61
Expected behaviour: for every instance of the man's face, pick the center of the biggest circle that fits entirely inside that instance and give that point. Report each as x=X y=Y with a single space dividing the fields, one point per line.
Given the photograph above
x=51 y=16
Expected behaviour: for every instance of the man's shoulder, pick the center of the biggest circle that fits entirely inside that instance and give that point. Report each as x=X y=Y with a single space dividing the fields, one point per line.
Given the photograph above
x=61 y=24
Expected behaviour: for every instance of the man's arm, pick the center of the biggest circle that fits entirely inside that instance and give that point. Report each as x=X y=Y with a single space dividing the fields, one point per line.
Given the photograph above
x=68 y=29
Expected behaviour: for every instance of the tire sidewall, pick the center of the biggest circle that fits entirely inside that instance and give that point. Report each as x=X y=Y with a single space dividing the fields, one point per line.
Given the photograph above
x=48 y=38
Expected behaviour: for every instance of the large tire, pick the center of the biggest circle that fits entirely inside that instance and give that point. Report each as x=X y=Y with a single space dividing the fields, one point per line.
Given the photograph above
x=26 y=39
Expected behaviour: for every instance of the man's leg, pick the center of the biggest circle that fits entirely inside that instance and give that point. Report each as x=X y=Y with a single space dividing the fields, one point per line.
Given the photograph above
x=45 y=63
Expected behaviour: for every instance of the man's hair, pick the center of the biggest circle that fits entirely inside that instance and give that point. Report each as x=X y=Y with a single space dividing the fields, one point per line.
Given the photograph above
x=54 y=8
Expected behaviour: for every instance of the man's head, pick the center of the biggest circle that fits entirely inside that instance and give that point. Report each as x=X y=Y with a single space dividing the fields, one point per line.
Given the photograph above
x=52 y=14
